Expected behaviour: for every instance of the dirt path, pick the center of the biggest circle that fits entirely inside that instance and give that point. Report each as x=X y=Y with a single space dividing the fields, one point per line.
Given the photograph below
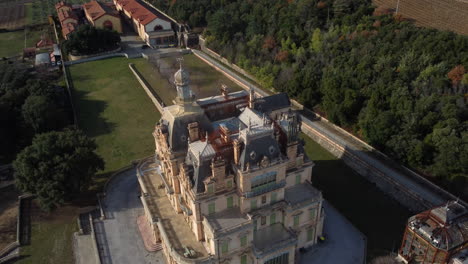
x=8 y=213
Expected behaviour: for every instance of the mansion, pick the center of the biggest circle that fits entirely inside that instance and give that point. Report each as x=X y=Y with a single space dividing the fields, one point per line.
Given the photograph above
x=230 y=181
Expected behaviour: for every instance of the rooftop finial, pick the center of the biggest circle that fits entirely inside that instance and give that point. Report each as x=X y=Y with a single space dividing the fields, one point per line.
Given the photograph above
x=180 y=60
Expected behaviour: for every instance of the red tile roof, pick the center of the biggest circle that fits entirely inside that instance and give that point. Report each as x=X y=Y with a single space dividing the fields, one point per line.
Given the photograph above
x=95 y=10
x=64 y=14
x=138 y=11
x=61 y=4
x=67 y=29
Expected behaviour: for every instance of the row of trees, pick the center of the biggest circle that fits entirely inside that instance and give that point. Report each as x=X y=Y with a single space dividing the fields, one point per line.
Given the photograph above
x=51 y=159
x=398 y=86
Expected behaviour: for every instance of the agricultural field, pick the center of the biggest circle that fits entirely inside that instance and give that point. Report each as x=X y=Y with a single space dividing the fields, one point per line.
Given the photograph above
x=12 y=16
x=451 y=15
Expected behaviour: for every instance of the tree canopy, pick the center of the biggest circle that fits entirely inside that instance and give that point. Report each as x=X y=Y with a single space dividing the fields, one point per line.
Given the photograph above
x=56 y=166
x=400 y=87
x=90 y=40
x=28 y=105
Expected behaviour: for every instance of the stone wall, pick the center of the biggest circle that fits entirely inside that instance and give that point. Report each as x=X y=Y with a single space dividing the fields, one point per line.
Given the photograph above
x=151 y=94
x=81 y=57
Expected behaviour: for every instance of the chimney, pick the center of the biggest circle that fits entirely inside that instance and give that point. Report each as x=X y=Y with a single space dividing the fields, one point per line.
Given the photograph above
x=194 y=132
x=237 y=150
x=218 y=169
x=251 y=98
x=291 y=151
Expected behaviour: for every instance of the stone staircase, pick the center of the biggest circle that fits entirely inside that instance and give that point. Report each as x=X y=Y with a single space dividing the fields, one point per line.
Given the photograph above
x=147 y=235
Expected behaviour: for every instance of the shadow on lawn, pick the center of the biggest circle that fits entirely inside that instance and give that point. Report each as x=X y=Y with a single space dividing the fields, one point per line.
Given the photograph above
x=89 y=117
x=375 y=214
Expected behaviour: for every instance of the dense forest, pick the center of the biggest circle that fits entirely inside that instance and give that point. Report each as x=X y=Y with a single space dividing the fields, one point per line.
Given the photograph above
x=401 y=88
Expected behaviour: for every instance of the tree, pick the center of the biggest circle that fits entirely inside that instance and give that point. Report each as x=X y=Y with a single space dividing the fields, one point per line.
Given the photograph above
x=89 y=40
x=57 y=166
x=42 y=114
x=316 y=43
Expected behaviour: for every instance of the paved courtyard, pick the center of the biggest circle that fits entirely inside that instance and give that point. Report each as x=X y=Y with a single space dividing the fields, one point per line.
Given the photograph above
x=344 y=244
x=118 y=236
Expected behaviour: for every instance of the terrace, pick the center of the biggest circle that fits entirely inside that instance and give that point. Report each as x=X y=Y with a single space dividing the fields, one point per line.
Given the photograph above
x=176 y=228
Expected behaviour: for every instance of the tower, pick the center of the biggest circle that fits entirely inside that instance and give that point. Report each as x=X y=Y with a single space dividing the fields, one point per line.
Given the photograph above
x=182 y=82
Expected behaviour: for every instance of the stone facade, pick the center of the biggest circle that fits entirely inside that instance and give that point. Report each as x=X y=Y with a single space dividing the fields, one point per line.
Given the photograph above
x=234 y=168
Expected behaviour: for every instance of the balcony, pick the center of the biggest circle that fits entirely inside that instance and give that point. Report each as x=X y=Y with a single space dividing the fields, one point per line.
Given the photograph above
x=265 y=188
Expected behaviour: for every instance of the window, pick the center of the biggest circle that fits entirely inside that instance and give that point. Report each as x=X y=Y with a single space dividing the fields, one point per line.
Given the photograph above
x=272 y=218
x=263 y=220
x=225 y=247
x=243 y=241
x=264 y=199
x=312 y=212
x=264 y=180
x=229 y=202
x=229 y=183
x=211 y=188
x=310 y=234
x=296 y=220
x=283 y=259
x=253 y=204
x=244 y=259
x=273 y=197
x=255 y=225
x=298 y=178
x=158 y=27
x=211 y=208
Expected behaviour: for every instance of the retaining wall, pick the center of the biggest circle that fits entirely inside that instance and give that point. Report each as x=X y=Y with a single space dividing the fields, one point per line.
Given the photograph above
x=152 y=95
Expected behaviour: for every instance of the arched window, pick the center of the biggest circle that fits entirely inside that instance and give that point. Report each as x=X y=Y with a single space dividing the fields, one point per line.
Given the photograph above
x=108 y=24
x=158 y=27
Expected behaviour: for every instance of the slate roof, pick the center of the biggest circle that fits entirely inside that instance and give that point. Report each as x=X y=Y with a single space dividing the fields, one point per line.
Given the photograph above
x=272 y=102
x=257 y=148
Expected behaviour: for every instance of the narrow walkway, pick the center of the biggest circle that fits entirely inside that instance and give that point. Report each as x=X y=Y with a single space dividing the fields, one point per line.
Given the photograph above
x=177 y=229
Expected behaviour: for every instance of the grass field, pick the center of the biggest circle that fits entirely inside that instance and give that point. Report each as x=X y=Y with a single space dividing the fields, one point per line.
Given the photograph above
x=113 y=109
x=379 y=217
x=205 y=80
x=51 y=237
x=12 y=43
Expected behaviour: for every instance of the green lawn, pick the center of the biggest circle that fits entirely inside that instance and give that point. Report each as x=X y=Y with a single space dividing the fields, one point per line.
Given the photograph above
x=205 y=80
x=12 y=43
x=160 y=85
x=114 y=109
x=51 y=242
x=379 y=217
x=29 y=13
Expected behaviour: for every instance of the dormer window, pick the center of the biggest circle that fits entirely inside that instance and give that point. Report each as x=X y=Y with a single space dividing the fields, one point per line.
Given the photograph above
x=253 y=155
x=210 y=188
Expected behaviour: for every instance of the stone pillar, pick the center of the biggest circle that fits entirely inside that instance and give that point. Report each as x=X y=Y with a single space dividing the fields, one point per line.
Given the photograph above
x=237 y=151
x=218 y=170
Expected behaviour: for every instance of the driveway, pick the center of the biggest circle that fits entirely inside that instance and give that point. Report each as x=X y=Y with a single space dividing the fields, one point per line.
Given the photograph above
x=118 y=236
x=344 y=244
